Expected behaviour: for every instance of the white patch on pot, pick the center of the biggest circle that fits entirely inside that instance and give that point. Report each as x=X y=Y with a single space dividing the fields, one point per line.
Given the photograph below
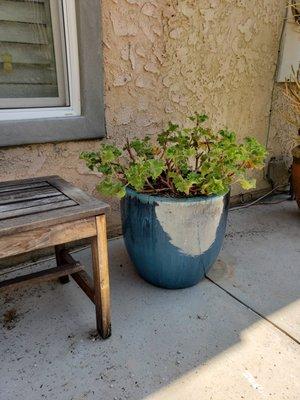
x=191 y=226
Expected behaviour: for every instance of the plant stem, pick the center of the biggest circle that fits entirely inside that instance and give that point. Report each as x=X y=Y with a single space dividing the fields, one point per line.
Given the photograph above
x=149 y=184
x=129 y=150
x=166 y=182
x=197 y=161
x=156 y=190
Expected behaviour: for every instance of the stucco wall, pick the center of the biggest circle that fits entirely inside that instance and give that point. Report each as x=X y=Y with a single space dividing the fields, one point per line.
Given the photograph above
x=163 y=60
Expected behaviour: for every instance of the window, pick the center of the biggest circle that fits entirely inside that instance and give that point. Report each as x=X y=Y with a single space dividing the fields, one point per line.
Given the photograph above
x=34 y=54
x=33 y=66
x=50 y=71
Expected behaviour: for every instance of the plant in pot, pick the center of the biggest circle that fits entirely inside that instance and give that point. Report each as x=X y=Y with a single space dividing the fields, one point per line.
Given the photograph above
x=292 y=93
x=174 y=192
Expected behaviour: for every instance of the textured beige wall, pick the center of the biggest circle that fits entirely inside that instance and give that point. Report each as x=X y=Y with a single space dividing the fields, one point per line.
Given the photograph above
x=163 y=60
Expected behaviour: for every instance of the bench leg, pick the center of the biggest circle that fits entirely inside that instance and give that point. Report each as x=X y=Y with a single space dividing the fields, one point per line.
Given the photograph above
x=59 y=262
x=101 y=278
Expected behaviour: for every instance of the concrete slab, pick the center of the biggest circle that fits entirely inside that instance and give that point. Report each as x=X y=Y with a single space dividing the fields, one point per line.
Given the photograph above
x=260 y=262
x=191 y=344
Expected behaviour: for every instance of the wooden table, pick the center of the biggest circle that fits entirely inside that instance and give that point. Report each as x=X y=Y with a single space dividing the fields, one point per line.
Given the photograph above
x=48 y=211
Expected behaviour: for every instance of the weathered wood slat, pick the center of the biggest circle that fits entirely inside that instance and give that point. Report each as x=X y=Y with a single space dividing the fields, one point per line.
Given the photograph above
x=12 y=187
x=15 y=192
x=40 y=276
x=27 y=194
x=71 y=191
x=59 y=262
x=17 y=32
x=64 y=215
x=33 y=203
x=27 y=181
x=37 y=209
x=101 y=277
x=35 y=239
x=86 y=208
x=83 y=280
x=22 y=11
x=24 y=53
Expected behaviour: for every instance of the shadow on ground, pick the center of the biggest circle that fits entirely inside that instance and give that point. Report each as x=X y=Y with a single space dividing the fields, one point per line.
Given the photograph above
x=260 y=262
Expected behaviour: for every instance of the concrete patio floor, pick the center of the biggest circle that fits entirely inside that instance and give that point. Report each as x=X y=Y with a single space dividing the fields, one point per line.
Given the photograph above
x=233 y=336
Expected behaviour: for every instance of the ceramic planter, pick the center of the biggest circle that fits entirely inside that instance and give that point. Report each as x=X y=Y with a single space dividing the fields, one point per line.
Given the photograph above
x=173 y=242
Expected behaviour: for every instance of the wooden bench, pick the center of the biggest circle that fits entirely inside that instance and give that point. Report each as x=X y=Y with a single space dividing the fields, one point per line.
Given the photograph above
x=48 y=211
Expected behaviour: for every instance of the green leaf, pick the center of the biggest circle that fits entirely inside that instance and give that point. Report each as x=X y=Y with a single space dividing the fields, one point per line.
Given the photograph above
x=155 y=168
x=104 y=169
x=231 y=136
x=136 y=176
x=109 y=153
x=142 y=147
x=162 y=138
x=109 y=187
x=248 y=183
x=172 y=127
x=183 y=184
x=201 y=117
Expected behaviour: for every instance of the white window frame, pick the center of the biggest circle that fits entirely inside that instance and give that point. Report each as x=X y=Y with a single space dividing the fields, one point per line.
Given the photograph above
x=71 y=72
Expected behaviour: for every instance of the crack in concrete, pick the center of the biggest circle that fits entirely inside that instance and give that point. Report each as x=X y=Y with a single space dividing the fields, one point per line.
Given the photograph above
x=254 y=311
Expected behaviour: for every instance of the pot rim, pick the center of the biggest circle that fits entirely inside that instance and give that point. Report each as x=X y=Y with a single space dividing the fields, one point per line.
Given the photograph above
x=164 y=199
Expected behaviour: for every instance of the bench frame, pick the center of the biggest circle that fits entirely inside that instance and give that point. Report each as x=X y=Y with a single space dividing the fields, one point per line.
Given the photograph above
x=22 y=239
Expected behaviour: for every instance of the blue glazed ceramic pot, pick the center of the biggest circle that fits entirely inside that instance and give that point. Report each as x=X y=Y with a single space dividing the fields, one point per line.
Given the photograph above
x=173 y=241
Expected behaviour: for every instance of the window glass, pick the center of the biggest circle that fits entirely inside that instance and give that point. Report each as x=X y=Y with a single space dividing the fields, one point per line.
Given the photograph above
x=32 y=54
